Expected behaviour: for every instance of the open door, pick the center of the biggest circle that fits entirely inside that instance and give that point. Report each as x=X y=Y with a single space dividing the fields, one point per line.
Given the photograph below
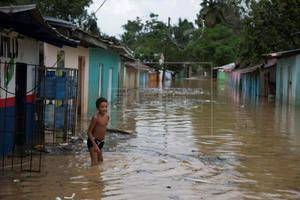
x=20 y=105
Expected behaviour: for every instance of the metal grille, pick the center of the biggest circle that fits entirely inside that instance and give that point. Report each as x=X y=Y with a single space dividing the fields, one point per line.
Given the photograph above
x=26 y=122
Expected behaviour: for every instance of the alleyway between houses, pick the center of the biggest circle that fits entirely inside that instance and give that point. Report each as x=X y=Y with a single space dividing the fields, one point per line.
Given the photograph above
x=187 y=144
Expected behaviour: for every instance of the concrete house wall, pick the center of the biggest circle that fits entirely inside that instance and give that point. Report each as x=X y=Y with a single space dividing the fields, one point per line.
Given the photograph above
x=76 y=58
x=98 y=86
x=28 y=53
x=131 y=78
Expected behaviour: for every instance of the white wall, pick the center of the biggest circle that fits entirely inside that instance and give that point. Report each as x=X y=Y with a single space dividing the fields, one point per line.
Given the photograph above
x=71 y=61
x=28 y=52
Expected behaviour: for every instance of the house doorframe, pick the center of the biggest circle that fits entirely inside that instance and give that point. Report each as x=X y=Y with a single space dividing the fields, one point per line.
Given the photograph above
x=81 y=80
x=109 y=87
x=20 y=104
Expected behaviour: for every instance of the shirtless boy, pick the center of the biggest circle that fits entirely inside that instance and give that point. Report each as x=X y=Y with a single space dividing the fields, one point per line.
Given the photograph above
x=97 y=130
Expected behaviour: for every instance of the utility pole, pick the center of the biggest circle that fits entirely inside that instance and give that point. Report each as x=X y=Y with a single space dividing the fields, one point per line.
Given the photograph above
x=165 y=51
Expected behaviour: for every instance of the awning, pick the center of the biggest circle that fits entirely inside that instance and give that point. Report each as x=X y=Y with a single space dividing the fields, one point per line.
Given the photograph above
x=28 y=21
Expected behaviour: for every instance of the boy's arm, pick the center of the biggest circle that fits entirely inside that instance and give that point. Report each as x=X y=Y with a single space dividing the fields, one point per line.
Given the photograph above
x=90 y=131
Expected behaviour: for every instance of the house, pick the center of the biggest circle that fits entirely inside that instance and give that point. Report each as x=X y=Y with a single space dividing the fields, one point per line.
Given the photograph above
x=143 y=75
x=106 y=71
x=249 y=80
x=21 y=110
x=221 y=72
x=153 y=78
x=98 y=60
x=136 y=75
x=268 y=78
x=287 y=69
x=186 y=72
x=73 y=57
x=131 y=76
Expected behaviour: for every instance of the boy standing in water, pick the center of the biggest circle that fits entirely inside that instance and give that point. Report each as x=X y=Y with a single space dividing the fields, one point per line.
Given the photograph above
x=97 y=130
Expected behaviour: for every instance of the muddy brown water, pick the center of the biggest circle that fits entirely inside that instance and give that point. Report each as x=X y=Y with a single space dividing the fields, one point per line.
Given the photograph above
x=187 y=144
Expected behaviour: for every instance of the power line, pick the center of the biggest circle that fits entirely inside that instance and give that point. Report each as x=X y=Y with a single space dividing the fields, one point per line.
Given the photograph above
x=100 y=6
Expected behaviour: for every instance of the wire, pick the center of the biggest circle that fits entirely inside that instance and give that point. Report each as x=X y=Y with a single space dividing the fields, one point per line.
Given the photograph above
x=36 y=85
x=100 y=6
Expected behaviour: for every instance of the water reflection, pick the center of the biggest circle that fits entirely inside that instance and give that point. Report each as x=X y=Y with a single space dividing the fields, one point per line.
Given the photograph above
x=187 y=145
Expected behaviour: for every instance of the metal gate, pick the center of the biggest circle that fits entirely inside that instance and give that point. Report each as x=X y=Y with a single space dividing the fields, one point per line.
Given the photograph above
x=37 y=106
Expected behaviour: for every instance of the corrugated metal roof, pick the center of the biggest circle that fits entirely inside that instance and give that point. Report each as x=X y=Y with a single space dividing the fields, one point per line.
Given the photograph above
x=59 y=22
x=248 y=69
x=283 y=53
x=85 y=38
x=138 y=65
x=28 y=21
x=228 y=67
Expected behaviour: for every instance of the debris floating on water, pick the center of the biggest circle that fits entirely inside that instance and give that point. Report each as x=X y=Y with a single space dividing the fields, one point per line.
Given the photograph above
x=71 y=197
x=198 y=180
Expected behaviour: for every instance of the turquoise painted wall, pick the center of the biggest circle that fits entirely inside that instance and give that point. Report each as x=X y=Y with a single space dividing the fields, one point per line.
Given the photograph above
x=143 y=79
x=109 y=60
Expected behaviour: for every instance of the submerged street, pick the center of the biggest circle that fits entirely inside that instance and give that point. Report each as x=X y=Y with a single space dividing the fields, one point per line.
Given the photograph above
x=185 y=145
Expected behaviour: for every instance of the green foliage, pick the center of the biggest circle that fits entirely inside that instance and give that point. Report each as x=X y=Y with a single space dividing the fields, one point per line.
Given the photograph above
x=70 y=10
x=216 y=12
x=180 y=42
x=217 y=44
x=272 y=25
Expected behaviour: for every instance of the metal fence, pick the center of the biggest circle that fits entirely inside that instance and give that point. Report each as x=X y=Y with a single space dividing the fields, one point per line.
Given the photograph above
x=36 y=103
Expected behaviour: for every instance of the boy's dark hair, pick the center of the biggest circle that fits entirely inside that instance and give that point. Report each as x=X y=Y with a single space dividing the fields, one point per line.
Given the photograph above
x=99 y=101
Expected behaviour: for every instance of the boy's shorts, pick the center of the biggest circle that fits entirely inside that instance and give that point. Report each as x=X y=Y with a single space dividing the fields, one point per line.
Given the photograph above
x=99 y=143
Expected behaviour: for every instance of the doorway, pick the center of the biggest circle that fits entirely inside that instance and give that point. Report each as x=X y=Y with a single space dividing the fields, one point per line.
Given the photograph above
x=20 y=104
x=81 y=75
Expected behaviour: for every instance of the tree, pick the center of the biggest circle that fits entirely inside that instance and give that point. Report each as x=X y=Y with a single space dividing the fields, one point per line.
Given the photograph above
x=132 y=30
x=74 y=11
x=218 y=44
x=272 y=25
x=227 y=12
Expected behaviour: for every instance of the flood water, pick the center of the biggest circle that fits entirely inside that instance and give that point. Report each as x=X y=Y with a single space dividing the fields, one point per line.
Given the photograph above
x=195 y=139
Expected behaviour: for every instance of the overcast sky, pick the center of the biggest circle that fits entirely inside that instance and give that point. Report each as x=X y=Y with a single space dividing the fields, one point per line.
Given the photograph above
x=115 y=13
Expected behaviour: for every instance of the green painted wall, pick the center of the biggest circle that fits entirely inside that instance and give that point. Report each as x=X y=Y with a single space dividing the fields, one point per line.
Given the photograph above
x=109 y=60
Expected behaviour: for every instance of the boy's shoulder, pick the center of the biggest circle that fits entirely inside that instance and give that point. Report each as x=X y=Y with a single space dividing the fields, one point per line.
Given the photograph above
x=95 y=117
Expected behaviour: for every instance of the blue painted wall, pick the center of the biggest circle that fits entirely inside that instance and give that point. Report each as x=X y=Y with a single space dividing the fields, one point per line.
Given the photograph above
x=287 y=80
x=108 y=59
x=7 y=129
